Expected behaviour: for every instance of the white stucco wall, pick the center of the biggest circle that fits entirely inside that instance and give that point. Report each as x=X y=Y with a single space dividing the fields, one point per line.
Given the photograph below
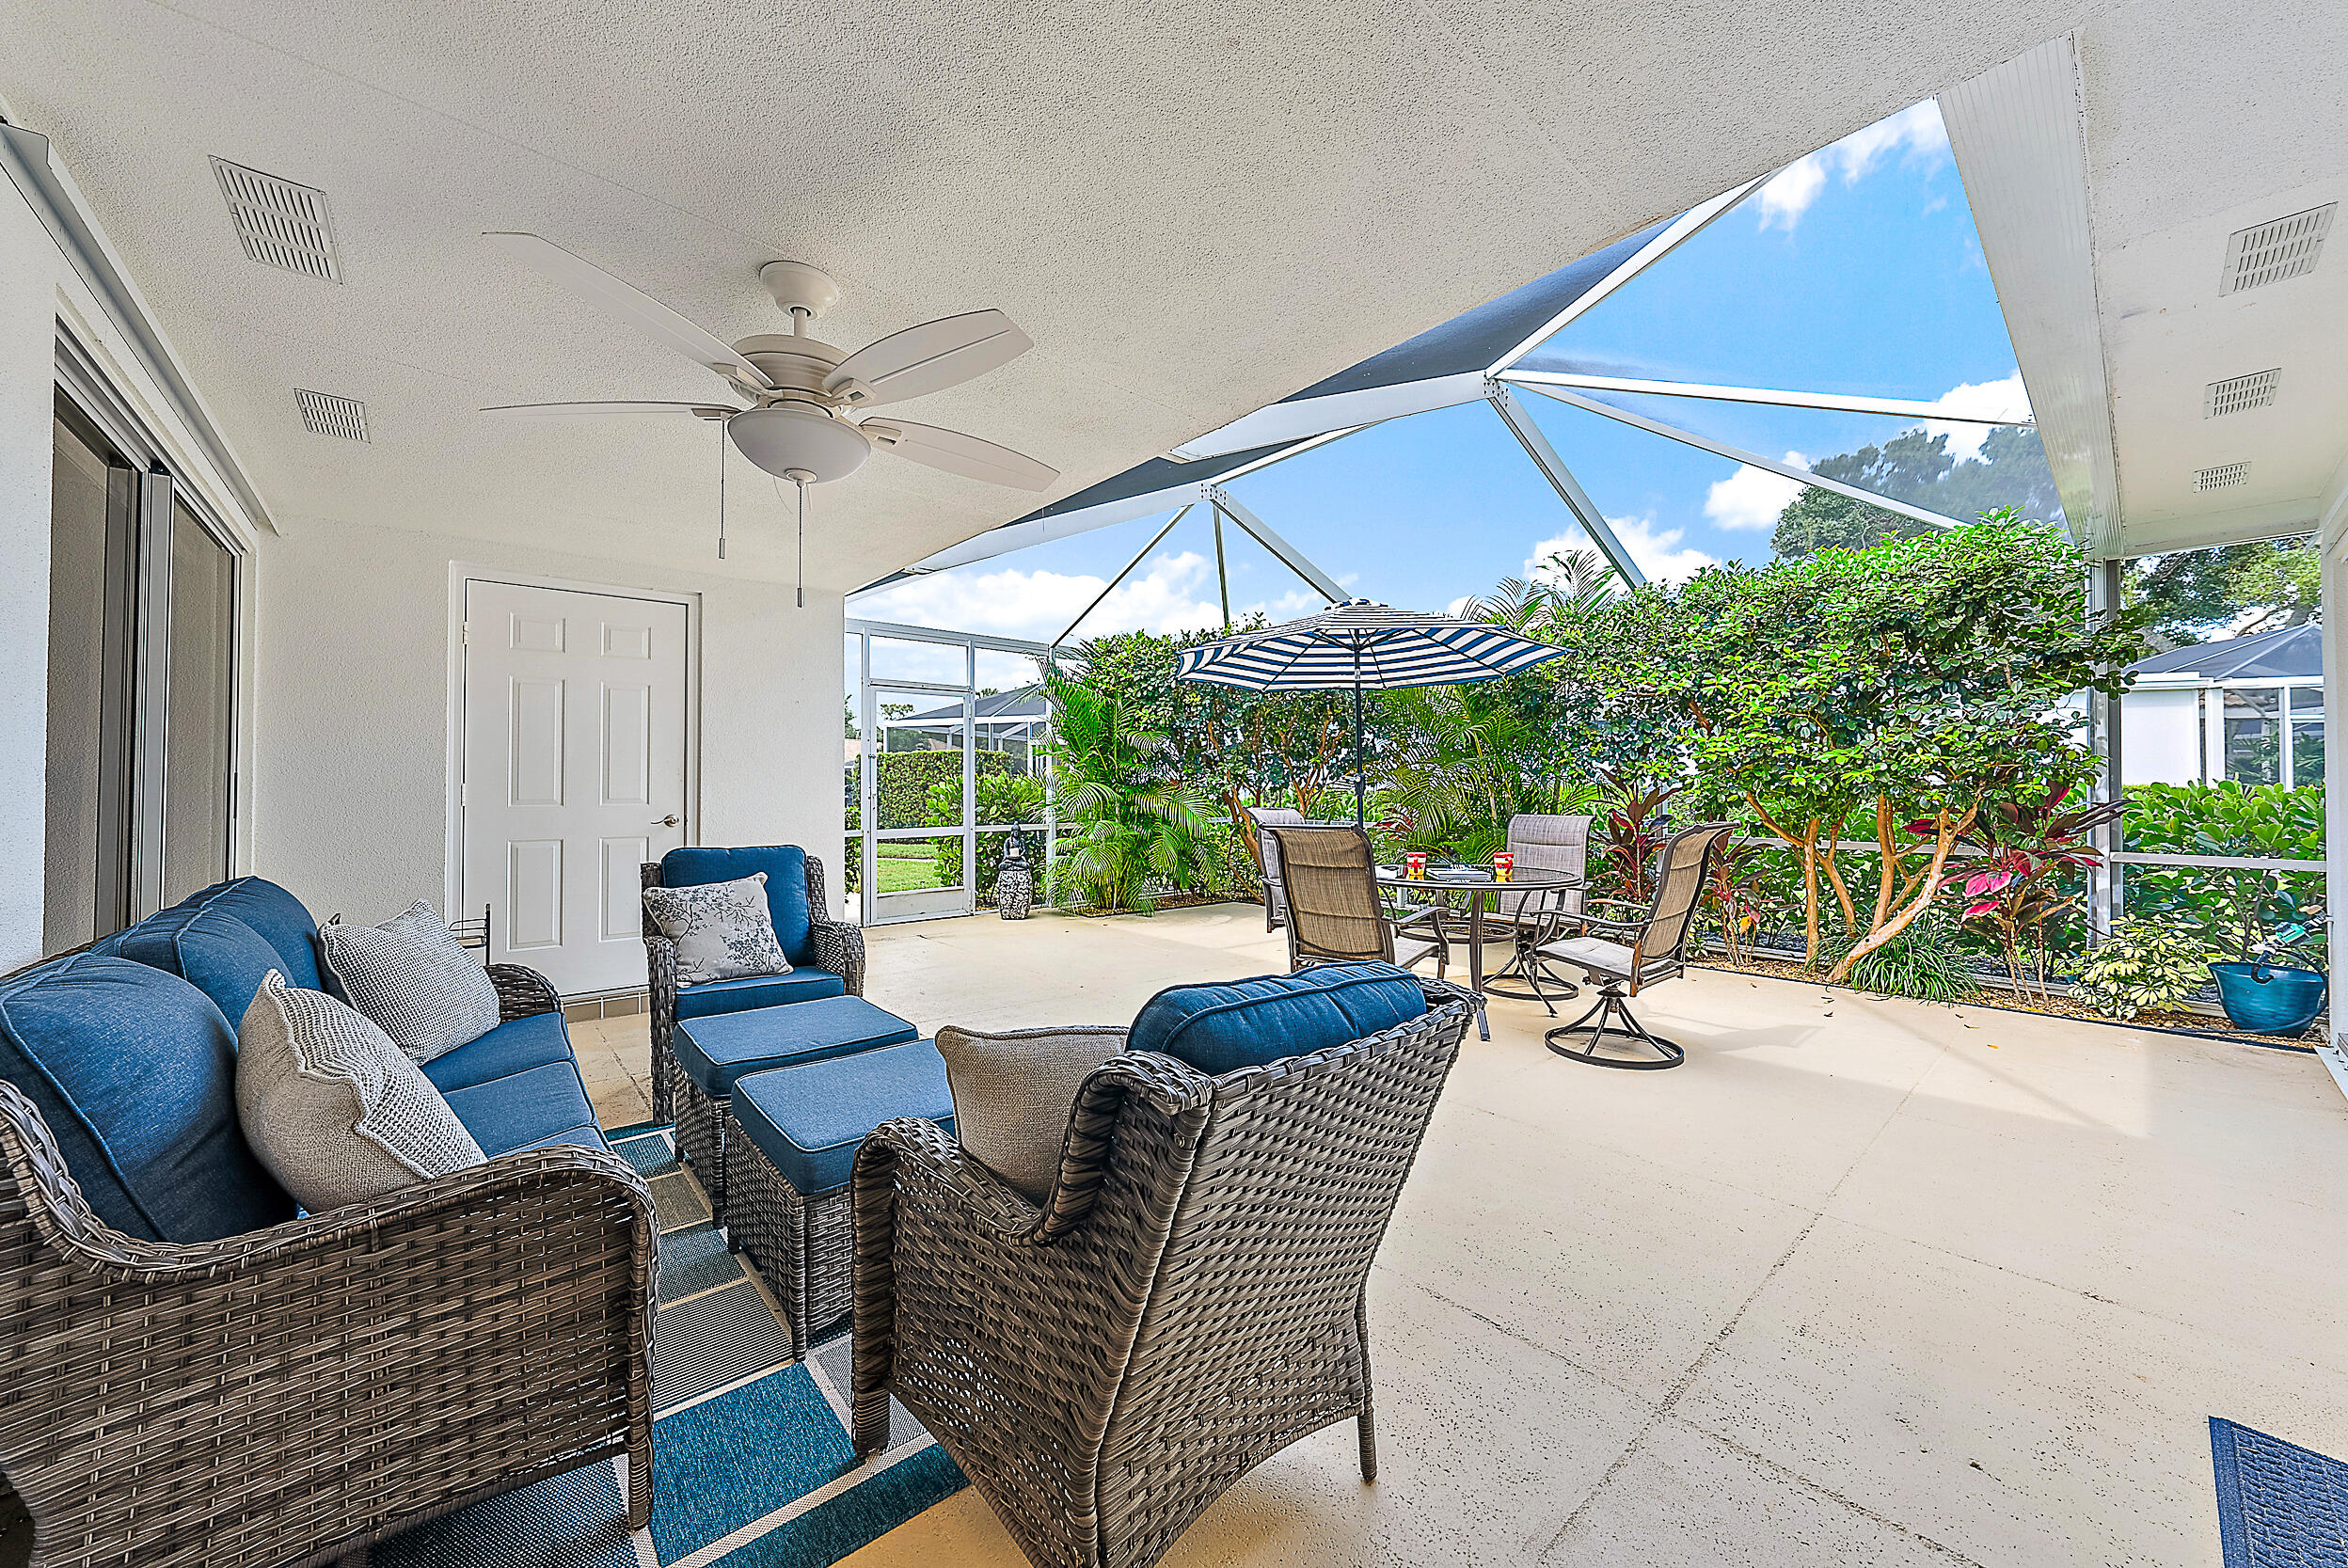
x=28 y=329
x=351 y=780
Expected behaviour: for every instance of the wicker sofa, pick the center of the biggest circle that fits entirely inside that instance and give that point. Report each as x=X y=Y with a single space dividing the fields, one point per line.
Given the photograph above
x=827 y=956
x=1187 y=1300
x=194 y=1372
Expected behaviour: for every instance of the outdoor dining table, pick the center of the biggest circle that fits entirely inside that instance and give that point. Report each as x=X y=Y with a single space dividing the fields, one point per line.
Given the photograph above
x=1523 y=884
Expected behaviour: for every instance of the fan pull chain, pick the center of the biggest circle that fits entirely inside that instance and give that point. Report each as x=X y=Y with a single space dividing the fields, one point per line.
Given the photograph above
x=799 y=478
x=721 y=490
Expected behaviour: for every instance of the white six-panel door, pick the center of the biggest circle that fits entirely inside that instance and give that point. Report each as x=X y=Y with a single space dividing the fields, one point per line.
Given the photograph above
x=574 y=773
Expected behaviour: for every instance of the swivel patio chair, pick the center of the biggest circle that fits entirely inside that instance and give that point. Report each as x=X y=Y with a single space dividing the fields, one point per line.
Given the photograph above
x=1542 y=843
x=1184 y=1302
x=1275 y=900
x=1335 y=911
x=1624 y=957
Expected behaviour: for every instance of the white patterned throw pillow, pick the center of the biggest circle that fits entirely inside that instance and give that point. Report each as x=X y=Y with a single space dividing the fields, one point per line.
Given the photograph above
x=723 y=931
x=412 y=980
x=333 y=1108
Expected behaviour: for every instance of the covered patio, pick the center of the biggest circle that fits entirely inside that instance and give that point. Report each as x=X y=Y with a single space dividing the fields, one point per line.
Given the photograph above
x=1869 y=1280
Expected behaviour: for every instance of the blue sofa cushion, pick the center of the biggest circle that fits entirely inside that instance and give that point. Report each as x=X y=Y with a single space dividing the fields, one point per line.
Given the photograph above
x=135 y=1071
x=1237 y=1023
x=808 y=1121
x=275 y=916
x=515 y=1046
x=756 y=990
x=211 y=949
x=716 y=1051
x=786 y=865
x=523 y=1110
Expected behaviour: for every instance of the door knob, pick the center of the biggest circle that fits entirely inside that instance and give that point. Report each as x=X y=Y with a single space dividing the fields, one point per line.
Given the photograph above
x=668 y=822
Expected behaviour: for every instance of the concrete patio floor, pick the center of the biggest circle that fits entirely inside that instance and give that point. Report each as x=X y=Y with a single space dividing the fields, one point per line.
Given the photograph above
x=1865 y=1282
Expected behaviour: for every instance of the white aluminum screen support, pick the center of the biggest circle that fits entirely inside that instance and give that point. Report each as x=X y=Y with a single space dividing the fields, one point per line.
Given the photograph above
x=1735 y=454
x=1122 y=575
x=1831 y=402
x=2335 y=604
x=1288 y=554
x=1562 y=480
x=1222 y=573
x=2106 y=879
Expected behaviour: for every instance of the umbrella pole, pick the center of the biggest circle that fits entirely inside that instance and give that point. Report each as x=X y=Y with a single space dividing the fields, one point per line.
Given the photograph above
x=1361 y=759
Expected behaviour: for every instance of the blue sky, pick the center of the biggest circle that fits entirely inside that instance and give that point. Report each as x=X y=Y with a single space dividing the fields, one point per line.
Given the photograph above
x=1856 y=270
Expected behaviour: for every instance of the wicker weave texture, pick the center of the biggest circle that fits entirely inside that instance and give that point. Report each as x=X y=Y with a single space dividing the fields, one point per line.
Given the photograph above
x=1187 y=1302
x=837 y=947
x=802 y=1246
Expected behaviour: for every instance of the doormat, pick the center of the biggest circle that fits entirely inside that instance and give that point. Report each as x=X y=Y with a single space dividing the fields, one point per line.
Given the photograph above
x=2278 y=1505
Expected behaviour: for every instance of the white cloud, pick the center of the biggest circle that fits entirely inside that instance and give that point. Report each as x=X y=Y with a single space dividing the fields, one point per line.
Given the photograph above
x=1659 y=551
x=2002 y=398
x=1169 y=593
x=1916 y=131
x=1751 y=498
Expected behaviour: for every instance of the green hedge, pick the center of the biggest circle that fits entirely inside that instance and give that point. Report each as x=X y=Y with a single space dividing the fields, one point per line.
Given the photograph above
x=903 y=788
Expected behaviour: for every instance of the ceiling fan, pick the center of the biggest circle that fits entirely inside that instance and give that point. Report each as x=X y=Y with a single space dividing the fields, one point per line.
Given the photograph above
x=802 y=392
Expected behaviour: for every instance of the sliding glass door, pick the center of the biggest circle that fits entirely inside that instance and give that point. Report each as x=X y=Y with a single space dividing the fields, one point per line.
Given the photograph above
x=141 y=686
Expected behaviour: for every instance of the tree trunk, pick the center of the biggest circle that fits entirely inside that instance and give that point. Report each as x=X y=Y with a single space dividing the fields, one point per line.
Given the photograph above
x=1945 y=839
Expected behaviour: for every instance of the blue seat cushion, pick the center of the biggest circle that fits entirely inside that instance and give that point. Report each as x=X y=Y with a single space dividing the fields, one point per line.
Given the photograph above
x=786 y=865
x=808 y=1121
x=135 y=1071
x=712 y=997
x=515 y=1046
x=275 y=916
x=211 y=949
x=716 y=1051
x=1236 y=1024
x=523 y=1110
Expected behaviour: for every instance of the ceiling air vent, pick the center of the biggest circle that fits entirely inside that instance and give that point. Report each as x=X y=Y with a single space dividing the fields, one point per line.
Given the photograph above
x=2224 y=477
x=281 y=224
x=2288 y=247
x=2240 y=393
x=324 y=414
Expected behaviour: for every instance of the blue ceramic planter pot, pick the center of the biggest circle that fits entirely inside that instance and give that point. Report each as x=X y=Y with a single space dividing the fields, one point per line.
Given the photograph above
x=2269 y=998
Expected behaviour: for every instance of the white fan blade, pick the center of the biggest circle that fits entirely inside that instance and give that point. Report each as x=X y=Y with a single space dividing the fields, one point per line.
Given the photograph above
x=565 y=410
x=627 y=302
x=926 y=359
x=958 y=453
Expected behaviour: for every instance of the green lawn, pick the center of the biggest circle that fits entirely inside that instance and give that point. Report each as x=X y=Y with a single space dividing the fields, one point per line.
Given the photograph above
x=907 y=866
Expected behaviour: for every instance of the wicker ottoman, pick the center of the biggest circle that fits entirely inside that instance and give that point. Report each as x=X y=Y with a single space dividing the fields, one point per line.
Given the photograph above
x=792 y=1136
x=713 y=1053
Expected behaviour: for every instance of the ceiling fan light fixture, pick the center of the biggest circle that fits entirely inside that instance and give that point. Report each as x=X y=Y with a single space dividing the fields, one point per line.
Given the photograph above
x=786 y=436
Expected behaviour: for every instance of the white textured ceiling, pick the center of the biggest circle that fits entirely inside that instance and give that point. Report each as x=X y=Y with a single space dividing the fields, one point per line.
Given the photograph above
x=1193 y=208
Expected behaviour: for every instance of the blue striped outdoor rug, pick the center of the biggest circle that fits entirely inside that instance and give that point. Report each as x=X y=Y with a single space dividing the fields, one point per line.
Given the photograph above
x=2278 y=1505
x=752 y=1462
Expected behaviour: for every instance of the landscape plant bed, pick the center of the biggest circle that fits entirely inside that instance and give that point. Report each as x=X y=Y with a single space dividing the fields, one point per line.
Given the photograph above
x=2051 y=1007
x=1171 y=901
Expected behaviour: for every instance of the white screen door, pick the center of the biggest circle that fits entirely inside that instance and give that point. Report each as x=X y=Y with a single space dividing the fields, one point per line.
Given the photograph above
x=574 y=774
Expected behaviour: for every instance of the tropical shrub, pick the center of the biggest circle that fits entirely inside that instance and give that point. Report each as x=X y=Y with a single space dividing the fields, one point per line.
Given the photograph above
x=2145 y=966
x=1004 y=800
x=2029 y=872
x=2241 y=911
x=1126 y=820
x=1922 y=960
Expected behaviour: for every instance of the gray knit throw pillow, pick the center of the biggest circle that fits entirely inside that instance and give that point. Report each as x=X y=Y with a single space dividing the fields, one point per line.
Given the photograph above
x=333 y=1108
x=723 y=931
x=412 y=981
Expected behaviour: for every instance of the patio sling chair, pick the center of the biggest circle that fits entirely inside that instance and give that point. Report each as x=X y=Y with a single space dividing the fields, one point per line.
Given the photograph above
x=1542 y=843
x=1274 y=898
x=1183 y=1302
x=1622 y=957
x=1335 y=912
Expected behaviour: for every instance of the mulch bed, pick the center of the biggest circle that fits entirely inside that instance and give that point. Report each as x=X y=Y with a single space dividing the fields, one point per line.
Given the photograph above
x=2203 y=1024
x=1173 y=901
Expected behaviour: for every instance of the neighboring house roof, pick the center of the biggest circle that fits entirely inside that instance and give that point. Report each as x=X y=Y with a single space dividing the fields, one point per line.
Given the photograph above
x=2293 y=652
x=1022 y=704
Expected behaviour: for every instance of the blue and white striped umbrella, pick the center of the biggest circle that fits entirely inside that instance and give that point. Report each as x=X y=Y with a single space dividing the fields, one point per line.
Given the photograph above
x=1362 y=646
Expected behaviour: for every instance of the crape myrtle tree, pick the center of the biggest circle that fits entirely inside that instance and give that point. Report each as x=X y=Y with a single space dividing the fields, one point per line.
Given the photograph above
x=1896 y=693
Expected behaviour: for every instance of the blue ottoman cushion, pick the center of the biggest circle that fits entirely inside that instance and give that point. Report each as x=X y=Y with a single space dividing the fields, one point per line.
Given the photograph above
x=808 y=1121
x=712 y=997
x=135 y=1071
x=786 y=865
x=1236 y=1023
x=715 y=1052
x=515 y=1046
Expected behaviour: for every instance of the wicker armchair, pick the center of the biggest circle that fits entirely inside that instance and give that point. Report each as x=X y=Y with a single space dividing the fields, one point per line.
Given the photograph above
x=1622 y=957
x=838 y=947
x=1187 y=1302
x=291 y=1396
